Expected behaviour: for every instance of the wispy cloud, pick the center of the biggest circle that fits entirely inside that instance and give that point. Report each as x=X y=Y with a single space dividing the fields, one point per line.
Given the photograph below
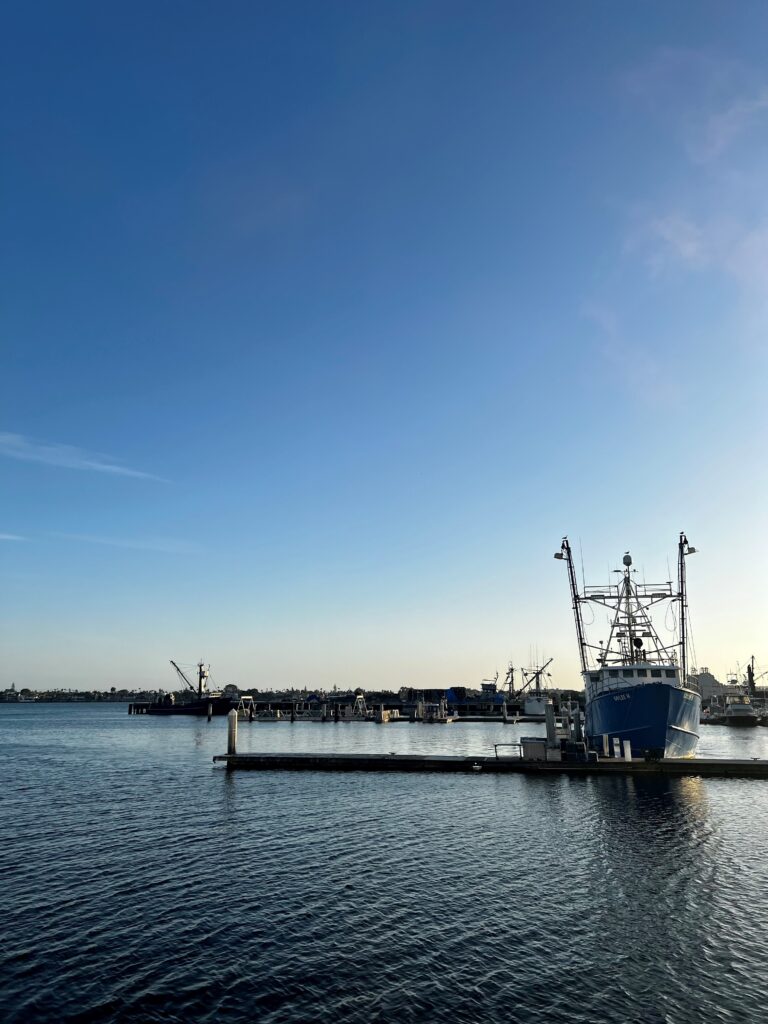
x=678 y=241
x=11 y=536
x=66 y=456
x=706 y=100
x=164 y=545
x=636 y=366
x=723 y=127
x=715 y=219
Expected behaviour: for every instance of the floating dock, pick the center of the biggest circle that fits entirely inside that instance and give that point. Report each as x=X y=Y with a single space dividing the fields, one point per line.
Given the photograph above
x=709 y=767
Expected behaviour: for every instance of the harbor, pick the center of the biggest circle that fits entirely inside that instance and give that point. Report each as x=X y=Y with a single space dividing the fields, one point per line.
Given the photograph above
x=638 y=694
x=315 y=859
x=382 y=556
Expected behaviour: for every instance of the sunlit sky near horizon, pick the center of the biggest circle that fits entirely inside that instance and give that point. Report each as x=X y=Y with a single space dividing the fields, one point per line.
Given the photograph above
x=323 y=323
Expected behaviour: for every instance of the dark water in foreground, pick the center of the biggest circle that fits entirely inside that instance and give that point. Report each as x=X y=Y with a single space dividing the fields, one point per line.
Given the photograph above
x=141 y=884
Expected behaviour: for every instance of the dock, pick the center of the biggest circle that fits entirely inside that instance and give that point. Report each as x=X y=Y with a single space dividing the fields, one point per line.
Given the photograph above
x=703 y=767
x=562 y=751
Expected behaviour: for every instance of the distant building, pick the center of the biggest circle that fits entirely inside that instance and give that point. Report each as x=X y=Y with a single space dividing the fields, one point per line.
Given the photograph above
x=709 y=686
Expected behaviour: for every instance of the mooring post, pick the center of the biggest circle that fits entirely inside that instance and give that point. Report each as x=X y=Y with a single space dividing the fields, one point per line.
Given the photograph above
x=210 y=711
x=232 y=732
x=549 y=717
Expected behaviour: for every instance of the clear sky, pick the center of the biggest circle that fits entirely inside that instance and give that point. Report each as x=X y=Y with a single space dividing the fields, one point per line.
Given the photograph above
x=323 y=322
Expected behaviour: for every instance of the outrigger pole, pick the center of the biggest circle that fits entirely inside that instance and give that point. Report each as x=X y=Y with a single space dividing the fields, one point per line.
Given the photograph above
x=181 y=674
x=565 y=554
x=683 y=548
x=201 y=675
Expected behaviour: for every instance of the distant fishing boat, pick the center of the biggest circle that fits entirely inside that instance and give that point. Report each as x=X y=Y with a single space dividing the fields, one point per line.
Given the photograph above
x=201 y=702
x=532 y=695
x=637 y=687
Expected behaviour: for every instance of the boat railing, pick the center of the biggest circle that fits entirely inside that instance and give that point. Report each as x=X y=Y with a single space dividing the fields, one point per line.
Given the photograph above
x=517 y=746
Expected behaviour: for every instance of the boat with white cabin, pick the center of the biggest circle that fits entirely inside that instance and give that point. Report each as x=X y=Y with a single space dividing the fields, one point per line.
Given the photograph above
x=637 y=685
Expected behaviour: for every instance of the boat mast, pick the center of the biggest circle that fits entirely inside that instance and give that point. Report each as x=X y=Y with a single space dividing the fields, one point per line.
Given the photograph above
x=683 y=549
x=510 y=680
x=627 y=560
x=566 y=555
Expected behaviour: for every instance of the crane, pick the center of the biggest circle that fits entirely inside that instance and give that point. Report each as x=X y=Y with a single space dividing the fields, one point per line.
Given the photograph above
x=202 y=675
x=752 y=678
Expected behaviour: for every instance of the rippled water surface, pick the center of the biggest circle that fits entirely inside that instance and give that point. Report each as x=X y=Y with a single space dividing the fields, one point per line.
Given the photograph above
x=141 y=883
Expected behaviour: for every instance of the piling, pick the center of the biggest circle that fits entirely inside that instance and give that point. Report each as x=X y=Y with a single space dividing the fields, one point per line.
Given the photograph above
x=549 y=718
x=210 y=711
x=232 y=733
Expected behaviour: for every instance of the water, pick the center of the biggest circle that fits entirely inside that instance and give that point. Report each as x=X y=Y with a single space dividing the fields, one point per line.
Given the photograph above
x=141 y=884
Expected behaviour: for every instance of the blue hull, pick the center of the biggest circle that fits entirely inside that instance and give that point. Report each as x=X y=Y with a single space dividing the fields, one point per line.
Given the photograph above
x=656 y=719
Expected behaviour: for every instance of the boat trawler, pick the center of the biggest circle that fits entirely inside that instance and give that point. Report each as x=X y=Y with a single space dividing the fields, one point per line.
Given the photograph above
x=636 y=686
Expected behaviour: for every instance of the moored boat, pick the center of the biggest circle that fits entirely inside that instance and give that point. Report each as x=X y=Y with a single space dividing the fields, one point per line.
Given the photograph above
x=637 y=686
x=533 y=696
x=198 y=701
x=739 y=711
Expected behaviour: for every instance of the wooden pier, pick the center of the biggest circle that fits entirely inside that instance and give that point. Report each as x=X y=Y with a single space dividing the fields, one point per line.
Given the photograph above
x=708 y=767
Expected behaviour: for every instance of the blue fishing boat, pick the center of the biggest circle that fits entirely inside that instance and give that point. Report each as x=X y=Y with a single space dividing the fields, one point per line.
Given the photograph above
x=637 y=686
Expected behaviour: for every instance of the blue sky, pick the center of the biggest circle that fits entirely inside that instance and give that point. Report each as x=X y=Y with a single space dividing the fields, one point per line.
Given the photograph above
x=323 y=323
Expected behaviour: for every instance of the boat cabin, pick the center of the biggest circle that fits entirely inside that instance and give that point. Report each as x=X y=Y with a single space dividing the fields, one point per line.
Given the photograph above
x=615 y=677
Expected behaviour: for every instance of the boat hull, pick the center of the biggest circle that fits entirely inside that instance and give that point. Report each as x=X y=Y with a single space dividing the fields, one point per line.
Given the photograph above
x=218 y=706
x=656 y=718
